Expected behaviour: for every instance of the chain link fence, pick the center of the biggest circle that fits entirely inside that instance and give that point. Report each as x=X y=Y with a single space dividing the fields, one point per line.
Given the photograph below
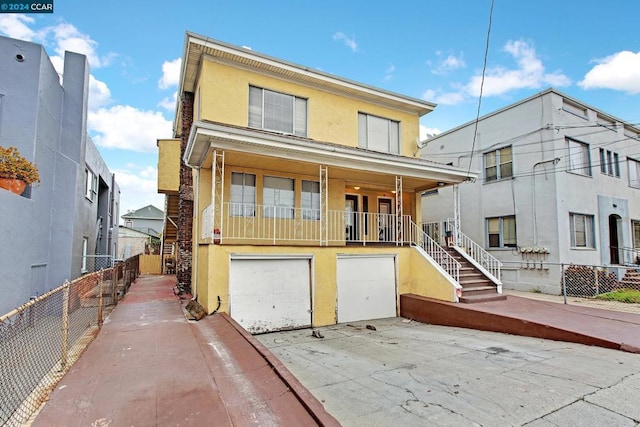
x=593 y=280
x=40 y=340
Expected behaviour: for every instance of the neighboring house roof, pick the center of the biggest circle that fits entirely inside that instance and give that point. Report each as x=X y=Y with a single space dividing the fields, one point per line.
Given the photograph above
x=124 y=231
x=147 y=212
x=537 y=95
x=196 y=47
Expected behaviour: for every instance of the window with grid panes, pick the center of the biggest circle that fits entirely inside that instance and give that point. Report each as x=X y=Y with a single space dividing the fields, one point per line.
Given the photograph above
x=501 y=232
x=311 y=200
x=243 y=194
x=498 y=164
x=278 y=197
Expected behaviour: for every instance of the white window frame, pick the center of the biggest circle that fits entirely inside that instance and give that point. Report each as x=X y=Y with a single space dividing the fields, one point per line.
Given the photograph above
x=579 y=157
x=378 y=133
x=243 y=196
x=501 y=232
x=634 y=172
x=85 y=253
x=609 y=163
x=278 y=197
x=90 y=184
x=310 y=200
x=499 y=154
x=277 y=112
x=586 y=224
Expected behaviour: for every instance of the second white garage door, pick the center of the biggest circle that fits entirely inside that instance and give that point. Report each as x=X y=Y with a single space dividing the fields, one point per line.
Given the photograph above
x=270 y=294
x=366 y=287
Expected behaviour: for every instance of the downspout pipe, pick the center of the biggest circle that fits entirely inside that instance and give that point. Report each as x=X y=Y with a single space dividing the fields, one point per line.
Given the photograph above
x=533 y=182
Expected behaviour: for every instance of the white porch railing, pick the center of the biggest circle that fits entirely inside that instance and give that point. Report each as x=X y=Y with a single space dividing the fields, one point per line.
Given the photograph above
x=248 y=222
x=477 y=253
x=435 y=251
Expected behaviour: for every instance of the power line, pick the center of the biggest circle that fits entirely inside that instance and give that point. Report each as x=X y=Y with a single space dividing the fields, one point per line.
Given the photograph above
x=484 y=69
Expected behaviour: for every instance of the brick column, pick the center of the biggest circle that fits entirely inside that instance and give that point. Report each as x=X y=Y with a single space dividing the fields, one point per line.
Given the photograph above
x=185 y=202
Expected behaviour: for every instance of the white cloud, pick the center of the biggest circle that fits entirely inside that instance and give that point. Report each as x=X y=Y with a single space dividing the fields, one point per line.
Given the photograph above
x=350 y=42
x=15 y=26
x=170 y=74
x=448 y=64
x=389 y=72
x=68 y=37
x=620 y=71
x=426 y=132
x=169 y=103
x=138 y=188
x=529 y=74
x=99 y=94
x=128 y=128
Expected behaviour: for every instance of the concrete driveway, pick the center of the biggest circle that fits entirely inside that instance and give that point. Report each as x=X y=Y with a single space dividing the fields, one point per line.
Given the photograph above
x=412 y=374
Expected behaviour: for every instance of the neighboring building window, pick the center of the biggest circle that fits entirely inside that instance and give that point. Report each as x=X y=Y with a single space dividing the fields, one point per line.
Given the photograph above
x=609 y=163
x=311 y=200
x=91 y=185
x=128 y=223
x=379 y=134
x=574 y=109
x=634 y=172
x=498 y=164
x=243 y=194
x=579 y=161
x=277 y=111
x=636 y=234
x=85 y=252
x=582 y=231
x=277 y=197
x=501 y=232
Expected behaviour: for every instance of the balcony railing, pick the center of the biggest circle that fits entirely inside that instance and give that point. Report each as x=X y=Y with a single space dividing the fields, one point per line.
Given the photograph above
x=277 y=224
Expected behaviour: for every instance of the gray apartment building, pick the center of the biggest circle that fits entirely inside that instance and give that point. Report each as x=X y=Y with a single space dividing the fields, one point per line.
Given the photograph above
x=52 y=231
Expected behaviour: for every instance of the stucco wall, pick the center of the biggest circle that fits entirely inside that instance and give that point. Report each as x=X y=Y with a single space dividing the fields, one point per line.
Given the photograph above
x=168 y=165
x=416 y=275
x=331 y=118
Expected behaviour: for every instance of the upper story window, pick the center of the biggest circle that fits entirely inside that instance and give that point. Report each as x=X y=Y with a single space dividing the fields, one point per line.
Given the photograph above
x=498 y=164
x=634 y=172
x=609 y=163
x=574 y=109
x=276 y=111
x=379 y=134
x=579 y=160
x=243 y=194
x=582 y=232
x=311 y=200
x=90 y=185
x=501 y=232
x=278 y=197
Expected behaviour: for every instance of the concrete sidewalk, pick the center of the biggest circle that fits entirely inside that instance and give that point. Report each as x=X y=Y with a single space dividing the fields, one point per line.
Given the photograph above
x=150 y=366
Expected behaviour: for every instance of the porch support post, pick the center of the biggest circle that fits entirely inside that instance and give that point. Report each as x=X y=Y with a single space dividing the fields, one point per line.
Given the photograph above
x=456 y=214
x=324 y=205
x=217 y=194
x=399 y=212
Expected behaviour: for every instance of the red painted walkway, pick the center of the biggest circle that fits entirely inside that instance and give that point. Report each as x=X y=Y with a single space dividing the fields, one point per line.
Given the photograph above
x=148 y=366
x=528 y=317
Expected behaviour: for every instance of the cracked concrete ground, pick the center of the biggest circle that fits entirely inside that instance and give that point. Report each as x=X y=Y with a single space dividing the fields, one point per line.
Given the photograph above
x=413 y=374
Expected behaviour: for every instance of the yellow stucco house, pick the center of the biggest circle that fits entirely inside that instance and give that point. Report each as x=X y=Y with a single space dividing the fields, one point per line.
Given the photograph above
x=300 y=192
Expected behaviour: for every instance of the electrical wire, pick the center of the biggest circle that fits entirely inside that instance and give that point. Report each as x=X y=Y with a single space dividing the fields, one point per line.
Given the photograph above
x=484 y=70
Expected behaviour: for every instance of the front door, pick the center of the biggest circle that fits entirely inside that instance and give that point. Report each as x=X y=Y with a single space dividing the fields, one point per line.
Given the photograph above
x=614 y=249
x=385 y=220
x=351 y=217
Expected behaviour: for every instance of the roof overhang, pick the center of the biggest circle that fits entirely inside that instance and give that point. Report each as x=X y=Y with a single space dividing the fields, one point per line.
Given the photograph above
x=205 y=137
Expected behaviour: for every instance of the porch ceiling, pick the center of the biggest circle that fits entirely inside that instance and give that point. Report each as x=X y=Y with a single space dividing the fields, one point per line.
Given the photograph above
x=268 y=151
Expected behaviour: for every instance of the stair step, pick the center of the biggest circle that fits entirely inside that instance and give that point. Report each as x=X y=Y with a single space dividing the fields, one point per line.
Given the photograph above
x=475 y=282
x=472 y=299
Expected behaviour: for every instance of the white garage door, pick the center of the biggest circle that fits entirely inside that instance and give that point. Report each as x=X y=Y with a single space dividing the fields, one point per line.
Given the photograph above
x=366 y=287
x=270 y=294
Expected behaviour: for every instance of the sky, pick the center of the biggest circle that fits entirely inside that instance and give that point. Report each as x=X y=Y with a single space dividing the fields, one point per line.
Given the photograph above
x=428 y=49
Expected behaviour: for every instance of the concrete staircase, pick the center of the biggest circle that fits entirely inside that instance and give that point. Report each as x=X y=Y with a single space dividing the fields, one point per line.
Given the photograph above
x=631 y=280
x=476 y=287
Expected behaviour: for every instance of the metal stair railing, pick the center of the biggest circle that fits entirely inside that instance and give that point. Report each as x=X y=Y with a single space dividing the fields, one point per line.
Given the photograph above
x=484 y=259
x=435 y=251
